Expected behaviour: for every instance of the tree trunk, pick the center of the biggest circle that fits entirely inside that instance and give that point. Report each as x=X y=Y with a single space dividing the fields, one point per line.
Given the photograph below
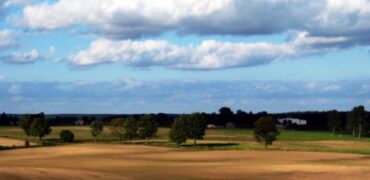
x=359 y=130
x=354 y=132
x=333 y=130
x=26 y=143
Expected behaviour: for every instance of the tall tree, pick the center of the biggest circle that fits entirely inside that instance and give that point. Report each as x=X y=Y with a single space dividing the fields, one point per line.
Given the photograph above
x=40 y=128
x=130 y=130
x=334 y=120
x=4 y=119
x=25 y=124
x=117 y=128
x=97 y=128
x=226 y=114
x=147 y=127
x=196 y=126
x=179 y=132
x=265 y=131
x=360 y=116
x=352 y=122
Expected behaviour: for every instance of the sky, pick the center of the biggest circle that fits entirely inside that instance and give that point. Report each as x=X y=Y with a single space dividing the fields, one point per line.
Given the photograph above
x=173 y=56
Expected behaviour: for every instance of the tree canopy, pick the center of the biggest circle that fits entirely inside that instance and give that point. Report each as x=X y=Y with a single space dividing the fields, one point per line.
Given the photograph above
x=265 y=131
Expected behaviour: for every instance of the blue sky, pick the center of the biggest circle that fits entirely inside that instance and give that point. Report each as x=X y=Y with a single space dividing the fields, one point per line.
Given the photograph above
x=134 y=56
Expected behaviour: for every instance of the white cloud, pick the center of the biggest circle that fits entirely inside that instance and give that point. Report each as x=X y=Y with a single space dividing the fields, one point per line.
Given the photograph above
x=6 y=39
x=52 y=50
x=209 y=54
x=134 y=18
x=22 y=58
x=14 y=89
x=2 y=78
x=9 y=3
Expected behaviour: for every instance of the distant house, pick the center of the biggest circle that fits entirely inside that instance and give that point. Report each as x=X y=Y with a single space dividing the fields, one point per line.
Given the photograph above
x=211 y=126
x=79 y=122
x=230 y=125
x=292 y=121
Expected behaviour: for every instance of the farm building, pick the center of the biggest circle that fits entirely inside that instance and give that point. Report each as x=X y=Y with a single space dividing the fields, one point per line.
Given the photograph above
x=286 y=121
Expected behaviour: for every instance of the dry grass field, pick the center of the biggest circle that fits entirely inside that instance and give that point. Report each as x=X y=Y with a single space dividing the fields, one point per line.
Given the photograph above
x=223 y=154
x=107 y=161
x=11 y=142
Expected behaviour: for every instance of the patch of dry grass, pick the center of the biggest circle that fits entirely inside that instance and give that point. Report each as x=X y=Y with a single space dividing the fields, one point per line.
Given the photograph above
x=104 y=161
x=7 y=142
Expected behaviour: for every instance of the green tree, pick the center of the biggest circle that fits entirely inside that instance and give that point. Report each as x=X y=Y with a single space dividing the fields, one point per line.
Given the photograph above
x=117 y=128
x=196 y=126
x=130 y=130
x=97 y=128
x=66 y=135
x=25 y=124
x=147 y=127
x=265 y=131
x=40 y=128
x=351 y=123
x=226 y=114
x=334 y=120
x=359 y=115
x=179 y=132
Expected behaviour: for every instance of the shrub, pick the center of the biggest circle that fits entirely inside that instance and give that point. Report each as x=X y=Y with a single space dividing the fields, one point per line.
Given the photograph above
x=66 y=136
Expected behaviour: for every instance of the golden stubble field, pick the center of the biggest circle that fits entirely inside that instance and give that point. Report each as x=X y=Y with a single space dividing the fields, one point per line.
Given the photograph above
x=106 y=161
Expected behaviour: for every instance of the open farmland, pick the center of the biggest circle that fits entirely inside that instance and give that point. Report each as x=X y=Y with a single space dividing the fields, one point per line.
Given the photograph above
x=223 y=154
x=96 y=161
x=218 y=139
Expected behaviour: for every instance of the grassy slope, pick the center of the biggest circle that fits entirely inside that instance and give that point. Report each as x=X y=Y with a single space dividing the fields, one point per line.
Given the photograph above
x=228 y=139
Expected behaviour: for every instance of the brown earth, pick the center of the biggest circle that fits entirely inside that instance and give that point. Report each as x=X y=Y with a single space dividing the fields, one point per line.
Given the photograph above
x=10 y=142
x=103 y=161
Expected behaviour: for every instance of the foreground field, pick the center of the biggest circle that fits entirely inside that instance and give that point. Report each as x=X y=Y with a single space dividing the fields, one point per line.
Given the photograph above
x=104 y=161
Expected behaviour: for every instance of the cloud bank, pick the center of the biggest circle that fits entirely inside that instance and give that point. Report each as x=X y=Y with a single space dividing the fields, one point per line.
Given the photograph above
x=135 y=96
x=209 y=54
x=22 y=58
x=318 y=26
x=136 y=18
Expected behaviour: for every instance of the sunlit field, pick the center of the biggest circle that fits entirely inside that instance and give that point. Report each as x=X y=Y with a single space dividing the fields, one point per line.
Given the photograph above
x=296 y=154
x=222 y=139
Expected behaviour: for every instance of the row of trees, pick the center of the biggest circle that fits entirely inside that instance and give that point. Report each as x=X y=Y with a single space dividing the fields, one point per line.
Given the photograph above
x=357 y=121
x=188 y=126
x=127 y=128
x=194 y=126
x=34 y=126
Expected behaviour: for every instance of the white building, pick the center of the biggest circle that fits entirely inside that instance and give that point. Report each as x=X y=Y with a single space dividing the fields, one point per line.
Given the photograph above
x=300 y=122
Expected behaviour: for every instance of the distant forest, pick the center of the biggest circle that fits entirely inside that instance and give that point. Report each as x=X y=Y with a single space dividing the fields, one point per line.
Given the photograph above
x=316 y=120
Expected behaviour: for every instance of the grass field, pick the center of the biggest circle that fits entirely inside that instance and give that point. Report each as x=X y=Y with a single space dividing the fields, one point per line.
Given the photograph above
x=109 y=161
x=223 y=139
x=223 y=154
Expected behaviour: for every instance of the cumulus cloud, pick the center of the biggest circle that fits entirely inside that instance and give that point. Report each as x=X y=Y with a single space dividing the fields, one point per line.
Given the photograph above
x=9 y=3
x=209 y=54
x=22 y=58
x=7 y=39
x=136 y=18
